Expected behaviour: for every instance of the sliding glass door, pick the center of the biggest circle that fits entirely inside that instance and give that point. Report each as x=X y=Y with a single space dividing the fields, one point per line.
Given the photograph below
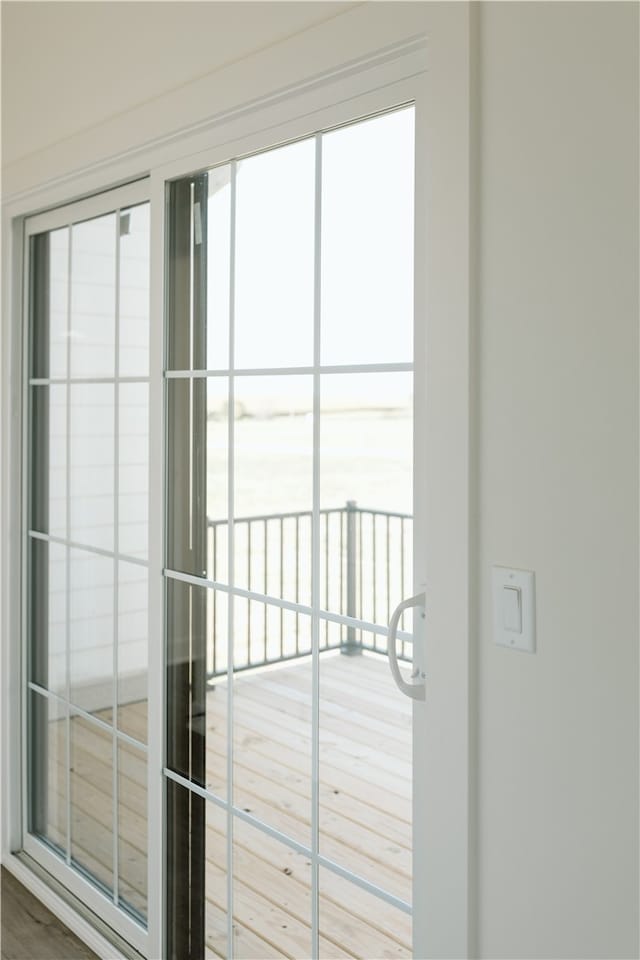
x=289 y=543
x=86 y=551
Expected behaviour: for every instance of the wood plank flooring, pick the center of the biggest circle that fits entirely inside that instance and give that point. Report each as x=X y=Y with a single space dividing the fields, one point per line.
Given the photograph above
x=31 y=931
x=364 y=799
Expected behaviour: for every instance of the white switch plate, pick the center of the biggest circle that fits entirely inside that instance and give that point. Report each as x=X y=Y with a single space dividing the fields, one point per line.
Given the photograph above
x=504 y=582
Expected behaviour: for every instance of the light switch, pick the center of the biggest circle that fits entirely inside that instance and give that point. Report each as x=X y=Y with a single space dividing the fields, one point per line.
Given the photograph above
x=514 y=604
x=512 y=609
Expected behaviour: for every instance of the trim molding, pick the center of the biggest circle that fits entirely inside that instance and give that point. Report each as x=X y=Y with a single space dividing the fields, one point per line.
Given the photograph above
x=405 y=48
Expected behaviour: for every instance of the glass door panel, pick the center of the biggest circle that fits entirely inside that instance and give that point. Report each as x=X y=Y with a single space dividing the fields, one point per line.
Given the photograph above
x=87 y=533
x=289 y=385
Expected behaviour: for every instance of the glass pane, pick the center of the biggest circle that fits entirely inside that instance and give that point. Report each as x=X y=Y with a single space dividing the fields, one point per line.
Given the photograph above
x=187 y=273
x=134 y=292
x=49 y=303
x=93 y=297
x=218 y=268
x=365 y=770
x=275 y=216
x=92 y=799
x=132 y=828
x=272 y=722
x=367 y=241
x=196 y=876
x=271 y=897
x=133 y=470
x=47 y=770
x=197 y=684
x=273 y=484
x=91 y=632
x=197 y=533
x=91 y=471
x=48 y=615
x=355 y=923
x=366 y=464
x=133 y=649
x=48 y=499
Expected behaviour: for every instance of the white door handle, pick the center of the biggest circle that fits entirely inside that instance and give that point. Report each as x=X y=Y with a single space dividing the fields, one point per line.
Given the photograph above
x=414 y=688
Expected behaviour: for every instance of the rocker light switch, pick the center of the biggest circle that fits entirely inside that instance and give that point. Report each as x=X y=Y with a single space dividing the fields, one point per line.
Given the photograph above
x=514 y=609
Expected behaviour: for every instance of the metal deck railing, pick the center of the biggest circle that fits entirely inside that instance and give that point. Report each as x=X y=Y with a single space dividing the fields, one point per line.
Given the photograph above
x=365 y=570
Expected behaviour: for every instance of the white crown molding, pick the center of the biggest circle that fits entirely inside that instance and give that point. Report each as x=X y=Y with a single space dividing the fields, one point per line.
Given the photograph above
x=377 y=33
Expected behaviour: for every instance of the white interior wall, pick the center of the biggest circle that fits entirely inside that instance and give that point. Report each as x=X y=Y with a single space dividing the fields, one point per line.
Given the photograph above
x=556 y=414
x=558 y=477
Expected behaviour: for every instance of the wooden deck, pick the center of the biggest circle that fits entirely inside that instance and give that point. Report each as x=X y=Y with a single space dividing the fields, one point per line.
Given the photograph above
x=364 y=797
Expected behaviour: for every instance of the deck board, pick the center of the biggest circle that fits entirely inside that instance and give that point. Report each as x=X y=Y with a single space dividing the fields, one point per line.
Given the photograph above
x=365 y=809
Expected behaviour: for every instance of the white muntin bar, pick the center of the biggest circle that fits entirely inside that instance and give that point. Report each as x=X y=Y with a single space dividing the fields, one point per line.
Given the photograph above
x=50 y=538
x=116 y=574
x=288 y=841
x=315 y=560
x=291 y=371
x=61 y=381
x=341 y=618
x=231 y=551
x=365 y=884
x=97 y=721
x=68 y=549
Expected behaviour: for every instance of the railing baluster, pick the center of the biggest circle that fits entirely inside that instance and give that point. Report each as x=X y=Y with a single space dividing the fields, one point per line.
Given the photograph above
x=388 y=575
x=297 y=583
x=249 y=588
x=266 y=544
x=360 y=573
x=281 y=585
x=214 y=531
x=373 y=567
x=326 y=576
x=351 y=646
x=344 y=587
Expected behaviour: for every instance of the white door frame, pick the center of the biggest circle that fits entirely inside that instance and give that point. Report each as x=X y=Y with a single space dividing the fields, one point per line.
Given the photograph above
x=429 y=61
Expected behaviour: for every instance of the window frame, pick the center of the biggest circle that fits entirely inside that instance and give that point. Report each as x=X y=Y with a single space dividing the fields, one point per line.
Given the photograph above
x=432 y=68
x=88 y=893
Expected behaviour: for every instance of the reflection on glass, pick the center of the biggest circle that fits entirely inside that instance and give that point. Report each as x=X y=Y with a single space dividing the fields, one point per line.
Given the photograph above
x=272 y=722
x=133 y=469
x=92 y=799
x=365 y=770
x=47 y=770
x=91 y=632
x=48 y=499
x=275 y=257
x=367 y=241
x=366 y=465
x=49 y=257
x=91 y=464
x=93 y=297
x=218 y=268
x=197 y=531
x=47 y=615
x=134 y=292
x=196 y=876
x=271 y=897
x=132 y=828
x=273 y=485
x=133 y=649
x=197 y=684
x=355 y=923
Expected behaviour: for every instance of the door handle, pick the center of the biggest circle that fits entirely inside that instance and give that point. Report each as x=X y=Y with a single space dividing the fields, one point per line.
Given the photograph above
x=414 y=688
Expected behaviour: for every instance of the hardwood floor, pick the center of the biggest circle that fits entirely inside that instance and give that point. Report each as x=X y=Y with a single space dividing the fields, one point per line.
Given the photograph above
x=364 y=795
x=31 y=931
